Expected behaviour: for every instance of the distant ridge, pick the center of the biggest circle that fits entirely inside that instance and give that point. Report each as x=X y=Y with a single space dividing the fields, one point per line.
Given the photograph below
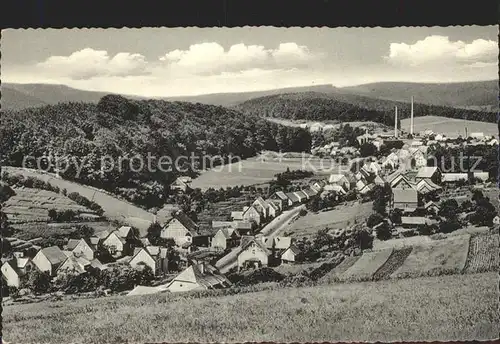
x=477 y=95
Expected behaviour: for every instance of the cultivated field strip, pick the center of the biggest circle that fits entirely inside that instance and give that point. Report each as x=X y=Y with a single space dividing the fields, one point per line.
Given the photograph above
x=32 y=205
x=396 y=259
x=484 y=251
x=366 y=266
x=445 y=256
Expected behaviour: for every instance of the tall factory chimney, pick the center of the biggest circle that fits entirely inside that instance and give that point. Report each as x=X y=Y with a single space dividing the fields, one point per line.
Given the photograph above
x=411 y=118
x=396 y=123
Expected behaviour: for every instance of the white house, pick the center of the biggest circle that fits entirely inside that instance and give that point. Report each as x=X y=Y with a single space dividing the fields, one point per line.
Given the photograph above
x=142 y=257
x=13 y=270
x=80 y=248
x=49 y=259
x=290 y=255
x=339 y=179
x=198 y=277
x=252 y=251
x=181 y=184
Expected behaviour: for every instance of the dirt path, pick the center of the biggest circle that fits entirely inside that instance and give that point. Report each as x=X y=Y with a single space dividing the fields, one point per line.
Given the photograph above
x=114 y=208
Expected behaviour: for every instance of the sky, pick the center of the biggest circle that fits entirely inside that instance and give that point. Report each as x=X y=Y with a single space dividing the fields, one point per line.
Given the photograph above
x=163 y=62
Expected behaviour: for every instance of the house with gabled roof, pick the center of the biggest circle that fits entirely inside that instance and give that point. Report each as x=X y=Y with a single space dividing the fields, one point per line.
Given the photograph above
x=200 y=276
x=336 y=189
x=273 y=209
x=74 y=264
x=310 y=192
x=262 y=206
x=318 y=186
x=237 y=215
x=243 y=227
x=426 y=186
x=252 y=252
x=379 y=180
x=80 y=247
x=184 y=231
x=429 y=172
x=140 y=257
x=339 y=179
x=226 y=238
x=285 y=201
x=293 y=198
x=252 y=213
x=15 y=269
x=405 y=199
x=301 y=196
x=291 y=254
x=431 y=207
x=116 y=245
x=391 y=161
x=181 y=184
x=372 y=167
x=49 y=259
x=453 y=178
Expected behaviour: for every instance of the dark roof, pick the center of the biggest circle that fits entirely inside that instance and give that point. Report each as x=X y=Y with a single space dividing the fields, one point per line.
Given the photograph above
x=246 y=240
x=405 y=195
x=294 y=249
x=292 y=197
x=186 y=221
x=72 y=243
x=281 y=195
x=310 y=192
x=54 y=255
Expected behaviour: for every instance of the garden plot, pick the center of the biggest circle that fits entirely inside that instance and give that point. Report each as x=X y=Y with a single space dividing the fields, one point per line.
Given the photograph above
x=32 y=205
x=483 y=254
x=396 y=259
x=440 y=257
x=334 y=274
x=366 y=266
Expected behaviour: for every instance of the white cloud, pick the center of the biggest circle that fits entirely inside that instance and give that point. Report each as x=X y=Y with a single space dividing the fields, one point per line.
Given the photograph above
x=439 y=49
x=88 y=63
x=212 y=58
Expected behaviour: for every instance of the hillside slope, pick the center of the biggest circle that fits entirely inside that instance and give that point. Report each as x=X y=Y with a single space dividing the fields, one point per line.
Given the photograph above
x=349 y=107
x=20 y=96
x=459 y=94
x=117 y=144
x=475 y=95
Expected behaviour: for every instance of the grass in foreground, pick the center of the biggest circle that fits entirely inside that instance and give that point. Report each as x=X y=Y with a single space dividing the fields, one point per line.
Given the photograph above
x=438 y=257
x=461 y=307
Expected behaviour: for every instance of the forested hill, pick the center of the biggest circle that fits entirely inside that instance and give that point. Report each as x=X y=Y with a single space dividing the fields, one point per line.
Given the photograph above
x=81 y=134
x=349 y=107
x=454 y=94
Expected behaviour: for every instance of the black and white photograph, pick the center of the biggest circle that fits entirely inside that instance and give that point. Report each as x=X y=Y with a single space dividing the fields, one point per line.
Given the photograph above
x=249 y=184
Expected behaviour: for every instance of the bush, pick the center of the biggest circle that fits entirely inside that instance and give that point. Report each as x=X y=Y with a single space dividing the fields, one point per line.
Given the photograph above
x=302 y=212
x=449 y=226
x=374 y=220
x=38 y=282
x=383 y=232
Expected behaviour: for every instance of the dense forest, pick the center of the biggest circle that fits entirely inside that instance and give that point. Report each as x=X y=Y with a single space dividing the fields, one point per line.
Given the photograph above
x=77 y=136
x=316 y=106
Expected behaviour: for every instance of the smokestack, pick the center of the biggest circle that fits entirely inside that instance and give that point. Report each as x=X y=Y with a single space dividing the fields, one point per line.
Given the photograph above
x=411 y=118
x=466 y=136
x=396 y=123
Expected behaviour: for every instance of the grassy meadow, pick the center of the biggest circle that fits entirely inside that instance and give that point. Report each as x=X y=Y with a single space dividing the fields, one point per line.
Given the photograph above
x=439 y=256
x=114 y=208
x=340 y=217
x=451 y=127
x=257 y=171
x=430 y=308
x=366 y=266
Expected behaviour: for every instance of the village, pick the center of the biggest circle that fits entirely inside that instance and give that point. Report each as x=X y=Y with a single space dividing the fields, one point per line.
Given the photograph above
x=180 y=255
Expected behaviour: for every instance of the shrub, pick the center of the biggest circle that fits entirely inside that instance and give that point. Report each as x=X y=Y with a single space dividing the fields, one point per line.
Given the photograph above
x=302 y=212
x=38 y=282
x=383 y=232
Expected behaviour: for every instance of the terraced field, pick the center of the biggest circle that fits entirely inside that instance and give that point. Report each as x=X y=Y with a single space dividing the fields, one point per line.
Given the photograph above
x=366 y=266
x=445 y=256
x=396 y=259
x=32 y=205
x=483 y=254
